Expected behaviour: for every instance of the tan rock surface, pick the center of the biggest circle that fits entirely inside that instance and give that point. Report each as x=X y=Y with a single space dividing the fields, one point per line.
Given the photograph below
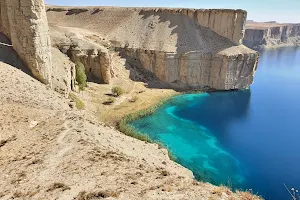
x=63 y=73
x=184 y=48
x=48 y=151
x=260 y=35
x=25 y=24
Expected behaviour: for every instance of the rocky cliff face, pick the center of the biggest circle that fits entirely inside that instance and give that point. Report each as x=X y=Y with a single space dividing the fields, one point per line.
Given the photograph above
x=271 y=35
x=26 y=26
x=196 y=70
x=185 y=48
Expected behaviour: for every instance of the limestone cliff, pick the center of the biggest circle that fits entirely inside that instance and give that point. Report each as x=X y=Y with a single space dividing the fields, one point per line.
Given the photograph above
x=185 y=48
x=271 y=35
x=25 y=24
x=92 y=54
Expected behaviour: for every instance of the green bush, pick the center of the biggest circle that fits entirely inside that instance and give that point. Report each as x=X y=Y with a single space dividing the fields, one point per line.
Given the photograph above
x=80 y=75
x=109 y=101
x=79 y=104
x=133 y=99
x=117 y=91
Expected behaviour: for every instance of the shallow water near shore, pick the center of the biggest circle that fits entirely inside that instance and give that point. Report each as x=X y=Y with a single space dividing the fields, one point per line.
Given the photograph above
x=248 y=139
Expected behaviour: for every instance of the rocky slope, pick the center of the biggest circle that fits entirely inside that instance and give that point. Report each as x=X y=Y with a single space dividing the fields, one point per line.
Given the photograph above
x=185 y=48
x=271 y=35
x=49 y=151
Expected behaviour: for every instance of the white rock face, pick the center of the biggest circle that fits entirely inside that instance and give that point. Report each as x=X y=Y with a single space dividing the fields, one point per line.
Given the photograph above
x=25 y=24
x=225 y=70
x=271 y=35
x=185 y=48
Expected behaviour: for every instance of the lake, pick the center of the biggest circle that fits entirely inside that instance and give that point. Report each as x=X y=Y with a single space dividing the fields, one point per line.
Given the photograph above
x=248 y=139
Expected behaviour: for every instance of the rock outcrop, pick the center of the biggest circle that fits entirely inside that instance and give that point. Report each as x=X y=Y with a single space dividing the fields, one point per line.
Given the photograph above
x=271 y=35
x=93 y=55
x=185 y=48
x=197 y=70
x=25 y=24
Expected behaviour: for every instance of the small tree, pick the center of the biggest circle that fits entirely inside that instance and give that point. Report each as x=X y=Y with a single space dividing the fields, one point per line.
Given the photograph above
x=117 y=91
x=80 y=75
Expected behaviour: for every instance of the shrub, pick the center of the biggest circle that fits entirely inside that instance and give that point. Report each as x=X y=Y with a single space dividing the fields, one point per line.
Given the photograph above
x=109 y=101
x=133 y=99
x=80 y=75
x=117 y=91
x=79 y=104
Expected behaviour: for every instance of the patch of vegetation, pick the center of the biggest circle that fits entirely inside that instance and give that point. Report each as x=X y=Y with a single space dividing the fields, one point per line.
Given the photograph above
x=117 y=91
x=109 y=101
x=79 y=104
x=171 y=155
x=80 y=75
x=124 y=127
x=133 y=99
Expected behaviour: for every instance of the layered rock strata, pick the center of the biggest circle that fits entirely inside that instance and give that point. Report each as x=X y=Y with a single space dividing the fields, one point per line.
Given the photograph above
x=25 y=24
x=97 y=63
x=95 y=57
x=185 y=48
x=271 y=35
x=196 y=70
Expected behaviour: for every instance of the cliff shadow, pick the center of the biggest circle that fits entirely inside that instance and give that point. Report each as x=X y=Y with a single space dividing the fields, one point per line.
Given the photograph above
x=191 y=36
x=140 y=74
x=9 y=56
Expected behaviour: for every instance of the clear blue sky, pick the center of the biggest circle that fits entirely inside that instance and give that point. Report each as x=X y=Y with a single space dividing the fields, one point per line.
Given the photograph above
x=258 y=10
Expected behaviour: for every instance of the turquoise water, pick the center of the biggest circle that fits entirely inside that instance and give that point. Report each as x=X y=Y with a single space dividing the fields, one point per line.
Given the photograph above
x=247 y=139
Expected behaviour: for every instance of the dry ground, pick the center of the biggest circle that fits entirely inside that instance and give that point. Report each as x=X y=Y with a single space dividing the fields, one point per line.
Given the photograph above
x=49 y=151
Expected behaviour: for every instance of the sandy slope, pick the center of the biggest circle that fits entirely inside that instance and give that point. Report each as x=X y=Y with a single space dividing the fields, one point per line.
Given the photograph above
x=140 y=28
x=48 y=151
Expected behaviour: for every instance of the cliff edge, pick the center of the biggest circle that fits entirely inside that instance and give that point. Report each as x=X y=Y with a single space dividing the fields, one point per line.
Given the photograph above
x=184 y=48
x=262 y=35
x=25 y=25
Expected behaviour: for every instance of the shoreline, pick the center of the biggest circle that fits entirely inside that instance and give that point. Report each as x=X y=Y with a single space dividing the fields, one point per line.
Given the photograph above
x=274 y=47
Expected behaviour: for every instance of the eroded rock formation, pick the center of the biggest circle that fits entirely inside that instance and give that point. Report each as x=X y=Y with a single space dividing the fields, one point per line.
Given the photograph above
x=185 y=48
x=93 y=55
x=197 y=70
x=271 y=35
x=25 y=24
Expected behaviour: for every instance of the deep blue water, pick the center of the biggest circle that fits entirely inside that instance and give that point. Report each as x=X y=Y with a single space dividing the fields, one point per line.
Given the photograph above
x=247 y=139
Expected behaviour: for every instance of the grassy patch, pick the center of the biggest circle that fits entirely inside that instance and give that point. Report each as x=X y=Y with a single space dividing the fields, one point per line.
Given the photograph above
x=117 y=91
x=124 y=127
x=134 y=99
x=109 y=101
x=79 y=104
